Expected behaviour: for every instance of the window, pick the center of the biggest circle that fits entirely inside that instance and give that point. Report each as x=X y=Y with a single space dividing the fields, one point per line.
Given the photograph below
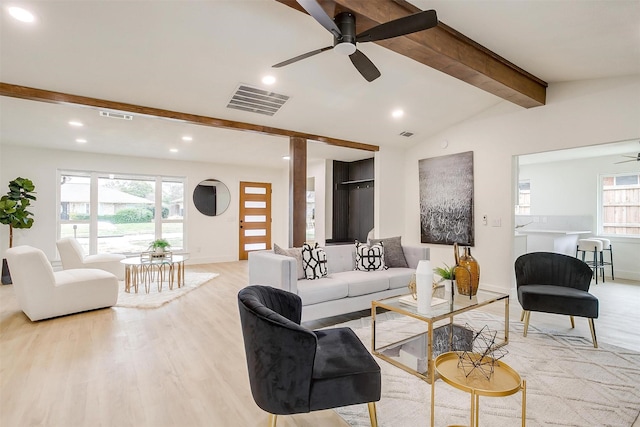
x=620 y=205
x=121 y=213
x=524 y=198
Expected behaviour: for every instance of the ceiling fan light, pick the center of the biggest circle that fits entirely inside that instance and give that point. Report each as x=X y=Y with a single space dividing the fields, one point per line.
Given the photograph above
x=345 y=48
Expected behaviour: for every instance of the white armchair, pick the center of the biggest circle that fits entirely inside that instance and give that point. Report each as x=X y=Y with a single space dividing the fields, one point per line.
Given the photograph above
x=43 y=293
x=72 y=256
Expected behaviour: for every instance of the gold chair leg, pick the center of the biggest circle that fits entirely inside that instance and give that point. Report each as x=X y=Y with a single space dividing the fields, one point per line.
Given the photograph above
x=573 y=323
x=372 y=414
x=273 y=418
x=527 y=314
x=522 y=316
x=592 y=326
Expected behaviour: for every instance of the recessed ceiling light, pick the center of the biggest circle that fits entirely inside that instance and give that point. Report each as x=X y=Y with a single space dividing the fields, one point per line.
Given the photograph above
x=81 y=141
x=286 y=158
x=21 y=14
x=187 y=138
x=268 y=80
x=396 y=114
x=76 y=123
x=173 y=150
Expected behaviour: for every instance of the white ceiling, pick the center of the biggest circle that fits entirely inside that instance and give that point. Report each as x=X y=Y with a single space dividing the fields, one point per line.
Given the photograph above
x=190 y=56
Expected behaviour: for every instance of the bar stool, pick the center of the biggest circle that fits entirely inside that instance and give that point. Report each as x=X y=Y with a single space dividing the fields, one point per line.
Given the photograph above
x=606 y=246
x=594 y=247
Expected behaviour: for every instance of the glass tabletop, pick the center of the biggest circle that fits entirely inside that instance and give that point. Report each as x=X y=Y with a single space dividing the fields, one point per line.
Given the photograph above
x=138 y=261
x=449 y=306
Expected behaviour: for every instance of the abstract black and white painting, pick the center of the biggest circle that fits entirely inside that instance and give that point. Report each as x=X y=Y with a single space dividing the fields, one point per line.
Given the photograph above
x=446 y=199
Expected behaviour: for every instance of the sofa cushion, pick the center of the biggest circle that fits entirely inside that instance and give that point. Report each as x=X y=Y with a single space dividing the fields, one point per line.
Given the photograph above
x=369 y=258
x=294 y=253
x=314 y=261
x=364 y=282
x=399 y=277
x=324 y=289
x=393 y=253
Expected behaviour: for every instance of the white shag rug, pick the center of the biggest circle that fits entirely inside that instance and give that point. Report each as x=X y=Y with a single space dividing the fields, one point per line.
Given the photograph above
x=154 y=298
x=569 y=383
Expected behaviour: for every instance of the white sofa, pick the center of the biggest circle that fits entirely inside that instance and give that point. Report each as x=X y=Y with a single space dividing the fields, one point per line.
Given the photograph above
x=43 y=293
x=344 y=290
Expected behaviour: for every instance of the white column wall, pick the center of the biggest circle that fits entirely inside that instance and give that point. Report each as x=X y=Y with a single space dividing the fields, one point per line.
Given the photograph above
x=577 y=114
x=215 y=237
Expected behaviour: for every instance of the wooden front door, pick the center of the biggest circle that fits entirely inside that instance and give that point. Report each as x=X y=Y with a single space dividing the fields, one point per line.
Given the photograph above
x=255 y=217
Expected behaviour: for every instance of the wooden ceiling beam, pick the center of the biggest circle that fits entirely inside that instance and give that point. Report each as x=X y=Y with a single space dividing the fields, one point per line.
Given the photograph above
x=16 y=91
x=443 y=49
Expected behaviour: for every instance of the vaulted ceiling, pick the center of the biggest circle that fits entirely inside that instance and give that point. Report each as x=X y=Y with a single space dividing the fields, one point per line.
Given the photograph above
x=190 y=57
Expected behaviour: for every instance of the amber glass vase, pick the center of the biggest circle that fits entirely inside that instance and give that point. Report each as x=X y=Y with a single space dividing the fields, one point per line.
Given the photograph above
x=467 y=272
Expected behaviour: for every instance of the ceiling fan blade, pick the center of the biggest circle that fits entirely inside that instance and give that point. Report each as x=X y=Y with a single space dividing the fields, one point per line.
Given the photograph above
x=399 y=27
x=300 y=57
x=314 y=9
x=364 y=65
x=634 y=159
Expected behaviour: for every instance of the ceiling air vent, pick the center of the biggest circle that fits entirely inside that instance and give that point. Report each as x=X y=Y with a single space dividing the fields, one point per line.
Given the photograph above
x=114 y=115
x=406 y=134
x=254 y=100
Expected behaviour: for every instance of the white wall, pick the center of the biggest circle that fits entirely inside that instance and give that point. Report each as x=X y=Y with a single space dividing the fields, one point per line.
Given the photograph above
x=578 y=195
x=216 y=238
x=389 y=193
x=577 y=114
x=318 y=171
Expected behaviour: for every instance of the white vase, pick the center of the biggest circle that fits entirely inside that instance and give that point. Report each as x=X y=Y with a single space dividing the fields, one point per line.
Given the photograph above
x=424 y=285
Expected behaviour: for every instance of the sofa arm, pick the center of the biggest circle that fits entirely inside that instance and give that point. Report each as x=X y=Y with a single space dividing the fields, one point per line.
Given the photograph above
x=267 y=268
x=413 y=254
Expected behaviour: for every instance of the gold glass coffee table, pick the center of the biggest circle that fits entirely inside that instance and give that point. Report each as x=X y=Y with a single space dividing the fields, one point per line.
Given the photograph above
x=503 y=381
x=414 y=352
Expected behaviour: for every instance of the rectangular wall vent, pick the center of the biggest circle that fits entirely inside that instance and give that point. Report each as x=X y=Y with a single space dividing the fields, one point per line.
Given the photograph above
x=254 y=100
x=406 y=134
x=115 y=115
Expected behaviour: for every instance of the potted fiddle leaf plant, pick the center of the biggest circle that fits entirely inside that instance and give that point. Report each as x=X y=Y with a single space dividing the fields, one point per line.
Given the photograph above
x=14 y=213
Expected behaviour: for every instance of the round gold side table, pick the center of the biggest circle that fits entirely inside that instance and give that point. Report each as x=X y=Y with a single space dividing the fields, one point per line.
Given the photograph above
x=504 y=381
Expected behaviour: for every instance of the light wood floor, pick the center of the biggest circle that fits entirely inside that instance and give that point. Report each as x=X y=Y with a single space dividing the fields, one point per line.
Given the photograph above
x=182 y=364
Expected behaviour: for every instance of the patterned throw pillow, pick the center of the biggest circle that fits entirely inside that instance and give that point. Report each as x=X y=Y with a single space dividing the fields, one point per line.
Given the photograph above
x=314 y=260
x=370 y=258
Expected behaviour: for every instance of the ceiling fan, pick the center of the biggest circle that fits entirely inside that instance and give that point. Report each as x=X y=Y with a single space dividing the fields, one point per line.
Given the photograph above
x=633 y=159
x=343 y=28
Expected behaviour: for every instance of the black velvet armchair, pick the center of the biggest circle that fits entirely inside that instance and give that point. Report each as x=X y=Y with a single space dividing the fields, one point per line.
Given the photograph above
x=296 y=370
x=555 y=283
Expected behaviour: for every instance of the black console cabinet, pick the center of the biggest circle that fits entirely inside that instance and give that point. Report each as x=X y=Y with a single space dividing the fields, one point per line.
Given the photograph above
x=352 y=200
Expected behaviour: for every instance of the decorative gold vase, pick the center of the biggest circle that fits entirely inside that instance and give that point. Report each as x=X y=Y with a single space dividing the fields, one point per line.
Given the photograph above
x=466 y=271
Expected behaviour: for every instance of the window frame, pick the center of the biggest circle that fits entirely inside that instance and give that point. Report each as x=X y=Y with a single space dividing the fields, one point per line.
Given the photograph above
x=600 y=203
x=95 y=176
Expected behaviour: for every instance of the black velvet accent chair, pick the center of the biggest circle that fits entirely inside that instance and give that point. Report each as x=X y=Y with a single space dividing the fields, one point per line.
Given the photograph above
x=555 y=283
x=296 y=370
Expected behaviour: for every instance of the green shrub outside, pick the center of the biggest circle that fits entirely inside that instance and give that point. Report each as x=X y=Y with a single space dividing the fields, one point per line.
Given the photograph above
x=125 y=216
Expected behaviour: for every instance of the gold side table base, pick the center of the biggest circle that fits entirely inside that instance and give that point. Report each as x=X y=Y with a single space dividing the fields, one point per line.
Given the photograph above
x=445 y=367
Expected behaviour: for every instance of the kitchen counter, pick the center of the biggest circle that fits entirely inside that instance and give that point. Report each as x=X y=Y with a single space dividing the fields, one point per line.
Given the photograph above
x=563 y=232
x=559 y=241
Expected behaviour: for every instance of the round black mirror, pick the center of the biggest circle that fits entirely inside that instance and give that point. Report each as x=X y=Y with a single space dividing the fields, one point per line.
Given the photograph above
x=211 y=197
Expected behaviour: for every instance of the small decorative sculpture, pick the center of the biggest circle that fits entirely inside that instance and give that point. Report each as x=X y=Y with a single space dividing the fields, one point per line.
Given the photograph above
x=483 y=355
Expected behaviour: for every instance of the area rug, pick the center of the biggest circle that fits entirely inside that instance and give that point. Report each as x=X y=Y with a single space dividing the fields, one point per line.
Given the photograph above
x=156 y=299
x=569 y=383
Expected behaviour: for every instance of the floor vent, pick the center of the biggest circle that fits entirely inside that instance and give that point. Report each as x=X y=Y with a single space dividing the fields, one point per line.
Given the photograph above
x=115 y=115
x=254 y=100
x=406 y=134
